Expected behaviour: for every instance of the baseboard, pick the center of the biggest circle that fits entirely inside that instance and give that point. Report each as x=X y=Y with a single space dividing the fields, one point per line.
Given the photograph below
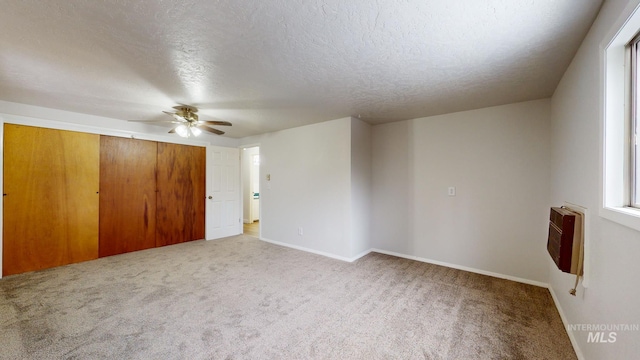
x=410 y=257
x=317 y=252
x=572 y=337
x=362 y=254
x=464 y=268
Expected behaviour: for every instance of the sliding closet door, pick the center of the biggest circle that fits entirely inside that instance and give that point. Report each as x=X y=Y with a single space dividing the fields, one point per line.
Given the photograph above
x=181 y=192
x=127 y=195
x=50 y=215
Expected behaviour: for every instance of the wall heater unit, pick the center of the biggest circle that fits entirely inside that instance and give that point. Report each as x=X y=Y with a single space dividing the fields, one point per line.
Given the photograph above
x=565 y=239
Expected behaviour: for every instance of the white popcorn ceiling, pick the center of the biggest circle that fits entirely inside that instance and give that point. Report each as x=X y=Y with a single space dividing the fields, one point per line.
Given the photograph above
x=275 y=64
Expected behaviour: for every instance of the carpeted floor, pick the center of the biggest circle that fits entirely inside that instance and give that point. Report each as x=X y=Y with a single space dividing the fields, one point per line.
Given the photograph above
x=241 y=298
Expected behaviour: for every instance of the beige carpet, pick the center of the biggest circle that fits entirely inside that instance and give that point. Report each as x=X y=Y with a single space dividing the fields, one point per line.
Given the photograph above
x=240 y=298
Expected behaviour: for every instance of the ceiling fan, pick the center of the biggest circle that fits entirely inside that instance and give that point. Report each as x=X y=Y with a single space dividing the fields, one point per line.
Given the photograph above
x=188 y=123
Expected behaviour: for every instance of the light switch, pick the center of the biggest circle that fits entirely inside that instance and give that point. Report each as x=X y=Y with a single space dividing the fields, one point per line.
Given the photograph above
x=452 y=191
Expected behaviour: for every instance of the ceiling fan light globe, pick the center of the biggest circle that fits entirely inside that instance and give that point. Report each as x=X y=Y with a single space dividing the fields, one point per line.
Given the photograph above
x=182 y=131
x=195 y=131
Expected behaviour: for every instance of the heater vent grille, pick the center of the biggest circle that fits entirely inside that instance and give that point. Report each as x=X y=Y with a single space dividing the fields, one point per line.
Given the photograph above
x=565 y=239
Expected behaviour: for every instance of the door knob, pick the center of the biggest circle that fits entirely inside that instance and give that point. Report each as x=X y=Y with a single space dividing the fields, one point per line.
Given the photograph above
x=210 y=197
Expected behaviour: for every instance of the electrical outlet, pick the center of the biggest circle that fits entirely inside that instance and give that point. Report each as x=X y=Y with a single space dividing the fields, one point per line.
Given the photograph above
x=300 y=231
x=452 y=191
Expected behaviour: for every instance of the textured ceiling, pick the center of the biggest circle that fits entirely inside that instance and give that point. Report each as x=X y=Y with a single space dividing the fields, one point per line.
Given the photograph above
x=275 y=64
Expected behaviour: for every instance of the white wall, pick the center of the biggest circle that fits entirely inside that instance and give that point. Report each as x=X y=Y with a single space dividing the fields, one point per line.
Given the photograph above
x=360 y=187
x=613 y=293
x=309 y=188
x=498 y=160
x=392 y=187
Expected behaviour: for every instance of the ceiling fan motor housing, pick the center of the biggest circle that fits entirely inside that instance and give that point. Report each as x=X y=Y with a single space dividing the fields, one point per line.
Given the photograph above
x=187 y=112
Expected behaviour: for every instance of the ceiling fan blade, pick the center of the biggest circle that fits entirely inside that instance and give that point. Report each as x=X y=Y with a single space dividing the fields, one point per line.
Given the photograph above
x=215 y=122
x=172 y=131
x=209 y=129
x=183 y=107
x=157 y=121
x=175 y=116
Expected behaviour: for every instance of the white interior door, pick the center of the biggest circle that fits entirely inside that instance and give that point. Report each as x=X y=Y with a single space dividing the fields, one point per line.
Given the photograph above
x=223 y=192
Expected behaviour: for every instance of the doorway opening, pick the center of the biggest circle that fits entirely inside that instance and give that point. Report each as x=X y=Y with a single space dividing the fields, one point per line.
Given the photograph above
x=251 y=191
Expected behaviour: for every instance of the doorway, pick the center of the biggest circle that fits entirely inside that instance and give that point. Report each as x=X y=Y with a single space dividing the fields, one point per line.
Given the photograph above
x=251 y=190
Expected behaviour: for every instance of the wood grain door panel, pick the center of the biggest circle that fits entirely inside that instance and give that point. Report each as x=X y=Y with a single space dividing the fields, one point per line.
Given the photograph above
x=50 y=215
x=127 y=195
x=181 y=194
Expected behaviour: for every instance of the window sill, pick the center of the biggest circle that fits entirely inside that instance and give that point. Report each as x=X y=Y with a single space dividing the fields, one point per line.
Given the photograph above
x=627 y=216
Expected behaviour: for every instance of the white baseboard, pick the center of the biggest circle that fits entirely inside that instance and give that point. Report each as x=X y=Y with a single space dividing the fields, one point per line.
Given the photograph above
x=464 y=268
x=410 y=257
x=317 y=252
x=572 y=337
x=364 y=253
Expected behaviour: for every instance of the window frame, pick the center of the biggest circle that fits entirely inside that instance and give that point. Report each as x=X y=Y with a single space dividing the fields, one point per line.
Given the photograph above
x=615 y=139
x=632 y=126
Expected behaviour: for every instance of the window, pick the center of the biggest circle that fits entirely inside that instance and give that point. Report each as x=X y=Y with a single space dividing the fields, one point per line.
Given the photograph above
x=632 y=130
x=620 y=119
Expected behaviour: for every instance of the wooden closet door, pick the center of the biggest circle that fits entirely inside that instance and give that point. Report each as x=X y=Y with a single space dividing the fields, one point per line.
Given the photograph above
x=127 y=195
x=50 y=215
x=181 y=193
